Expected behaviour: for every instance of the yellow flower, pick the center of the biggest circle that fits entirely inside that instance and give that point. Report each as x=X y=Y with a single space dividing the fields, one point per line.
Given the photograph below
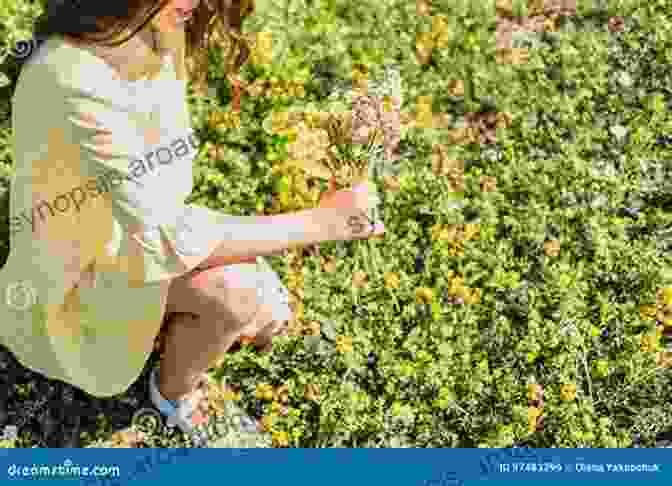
x=281 y=394
x=649 y=343
x=456 y=87
x=267 y=422
x=295 y=327
x=436 y=231
x=550 y=24
x=279 y=121
x=472 y=231
x=472 y=296
x=647 y=312
x=504 y=119
x=533 y=414
x=422 y=7
x=456 y=232
x=262 y=52
x=298 y=310
x=552 y=248
x=444 y=233
x=440 y=30
x=463 y=135
x=391 y=183
x=312 y=392
x=533 y=391
x=391 y=280
x=512 y=55
x=280 y=439
x=313 y=328
x=439 y=24
x=276 y=408
x=664 y=314
x=329 y=265
x=568 y=392
x=457 y=288
x=294 y=279
x=256 y=88
x=424 y=43
x=664 y=359
x=504 y=7
x=359 y=279
x=667 y=296
x=535 y=7
x=229 y=394
x=344 y=344
x=264 y=391
x=456 y=249
x=224 y=120
x=424 y=295
x=424 y=113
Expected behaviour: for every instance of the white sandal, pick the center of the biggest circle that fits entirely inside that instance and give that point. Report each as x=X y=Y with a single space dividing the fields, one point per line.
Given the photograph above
x=179 y=413
x=182 y=414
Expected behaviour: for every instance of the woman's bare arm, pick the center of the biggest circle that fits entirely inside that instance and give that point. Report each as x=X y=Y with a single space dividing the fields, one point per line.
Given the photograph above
x=340 y=216
x=247 y=237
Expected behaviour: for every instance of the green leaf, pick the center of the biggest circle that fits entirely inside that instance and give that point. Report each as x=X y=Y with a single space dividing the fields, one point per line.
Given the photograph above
x=4 y=80
x=282 y=185
x=445 y=349
x=329 y=329
x=280 y=140
x=436 y=311
x=311 y=343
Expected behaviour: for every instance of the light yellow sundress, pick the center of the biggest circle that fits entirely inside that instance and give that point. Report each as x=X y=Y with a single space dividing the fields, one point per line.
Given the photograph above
x=99 y=337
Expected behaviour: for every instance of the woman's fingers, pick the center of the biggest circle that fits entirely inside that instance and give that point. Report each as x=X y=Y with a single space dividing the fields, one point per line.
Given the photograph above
x=362 y=227
x=356 y=199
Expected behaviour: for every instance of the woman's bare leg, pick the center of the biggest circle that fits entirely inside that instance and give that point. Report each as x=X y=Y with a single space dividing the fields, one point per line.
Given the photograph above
x=209 y=311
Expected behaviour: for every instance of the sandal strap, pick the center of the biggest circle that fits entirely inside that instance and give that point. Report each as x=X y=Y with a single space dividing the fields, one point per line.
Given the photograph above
x=183 y=414
x=178 y=413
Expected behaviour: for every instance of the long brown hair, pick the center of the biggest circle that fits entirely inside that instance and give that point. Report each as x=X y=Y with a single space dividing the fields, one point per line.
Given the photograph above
x=100 y=21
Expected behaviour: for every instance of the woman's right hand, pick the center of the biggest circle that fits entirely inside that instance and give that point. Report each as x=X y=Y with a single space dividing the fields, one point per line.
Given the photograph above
x=356 y=204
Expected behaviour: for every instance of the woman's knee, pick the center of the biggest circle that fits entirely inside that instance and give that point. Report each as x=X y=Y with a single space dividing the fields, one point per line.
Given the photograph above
x=219 y=293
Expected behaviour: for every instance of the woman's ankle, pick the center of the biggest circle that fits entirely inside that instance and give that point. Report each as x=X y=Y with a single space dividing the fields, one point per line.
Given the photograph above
x=173 y=390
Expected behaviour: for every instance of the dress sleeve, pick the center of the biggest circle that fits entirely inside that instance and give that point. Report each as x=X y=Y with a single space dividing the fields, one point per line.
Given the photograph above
x=146 y=228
